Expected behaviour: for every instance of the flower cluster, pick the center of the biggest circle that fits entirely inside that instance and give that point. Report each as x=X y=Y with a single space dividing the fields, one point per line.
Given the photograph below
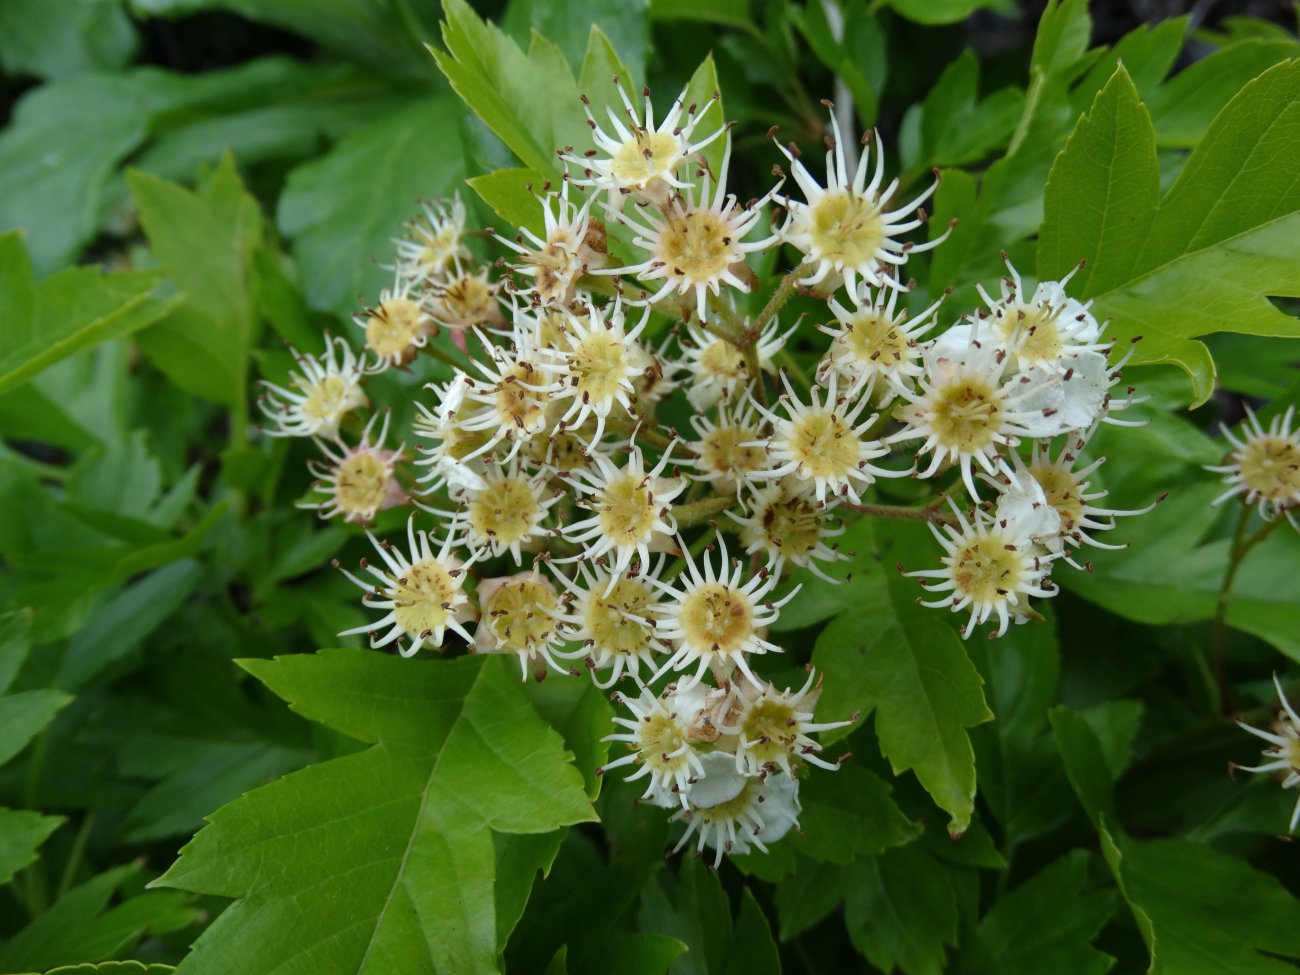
x=654 y=554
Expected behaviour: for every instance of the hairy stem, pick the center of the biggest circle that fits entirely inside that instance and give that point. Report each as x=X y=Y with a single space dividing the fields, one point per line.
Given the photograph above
x=1241 y=546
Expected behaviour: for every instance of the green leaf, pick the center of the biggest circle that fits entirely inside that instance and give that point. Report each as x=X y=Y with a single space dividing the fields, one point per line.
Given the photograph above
x=512 y=195
x=385 y=35
x=693 y=908
x=81 y=926
x=901 y=911
x=885 y=653
x=15 y=644
x=1186 y=105
x=957 y=130
x=1031 y=930
x=343 y=209
x=58 y=151
x=849 y=814
x=1206 y=257
x=734 y=13
x=403 y=827
x=623 y=24
x=24 y=715
x=1020 y=773
x=1147 y=53
x=529 y=100
x=69 y=311
x=21 y=834
x=205 y=241
x=1110 y=157
x=627 y=954
x=933 y=12
x=1172 y=573
x=113 y=968
x=61 y=38
x=1174 y=887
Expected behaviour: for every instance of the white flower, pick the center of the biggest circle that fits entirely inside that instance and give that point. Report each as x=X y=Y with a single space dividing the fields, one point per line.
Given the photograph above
x=762 y=810
x=1045 y=329
x=694 y=246
x=773 y=727
x=614 y=620
x=850 y=227
x=785 y=524
x=872 y=341
x=359 y=481
x=640 y=157
x=824 y=445
x=718 y=369
x=422 y=589
x=325 y=391
x=727 y=451
x=558 y=259
x=714 y=618
x=433 y=243
x=1069 y=498
x=1284 y=755
x=506 y=511
x=963 y=410
x=598 y=365
x=451 y=460
x=988 y=568
x=464 y=300
x=518 y=614
x=398 y=326
x=657 y=734
x=1264 y=466
x=631 y=511
x=518 y=391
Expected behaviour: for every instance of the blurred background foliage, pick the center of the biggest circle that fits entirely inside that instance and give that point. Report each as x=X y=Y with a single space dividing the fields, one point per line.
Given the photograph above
x=190 y=184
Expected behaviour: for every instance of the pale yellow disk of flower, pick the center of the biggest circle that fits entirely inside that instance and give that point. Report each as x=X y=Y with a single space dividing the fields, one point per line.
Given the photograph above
x=395 y=329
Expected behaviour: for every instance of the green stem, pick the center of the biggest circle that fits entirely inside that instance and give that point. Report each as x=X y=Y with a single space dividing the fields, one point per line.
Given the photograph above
x=930 y=512
x=699 y=512
x=74 y=857
x=784 y=291
x=1241 y=546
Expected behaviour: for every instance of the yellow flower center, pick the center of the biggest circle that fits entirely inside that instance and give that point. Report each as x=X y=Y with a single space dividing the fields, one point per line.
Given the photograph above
x=330 y=397
x=1062 y=492
x=627 y=511
x=847 y=227
x=564 y=451
x=600 y=364
x=439 y=249
x=607 y=617
x=659 y=738
x=771 y=726
x=987 y=569
x=696 y=245
x=424 y=597
x=468 y=301
x=520 y=407
x=724 y=360
x=517 y=614
x=1032 y=331
x=718 y=617
x=1270 y=466
x=874 y=340
x=505 y=511
x=722 y=451
x=792 y=524
x=394 y=327
x=363 y=480
x=824 y=444
x=645 y=157
x=966 y=414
